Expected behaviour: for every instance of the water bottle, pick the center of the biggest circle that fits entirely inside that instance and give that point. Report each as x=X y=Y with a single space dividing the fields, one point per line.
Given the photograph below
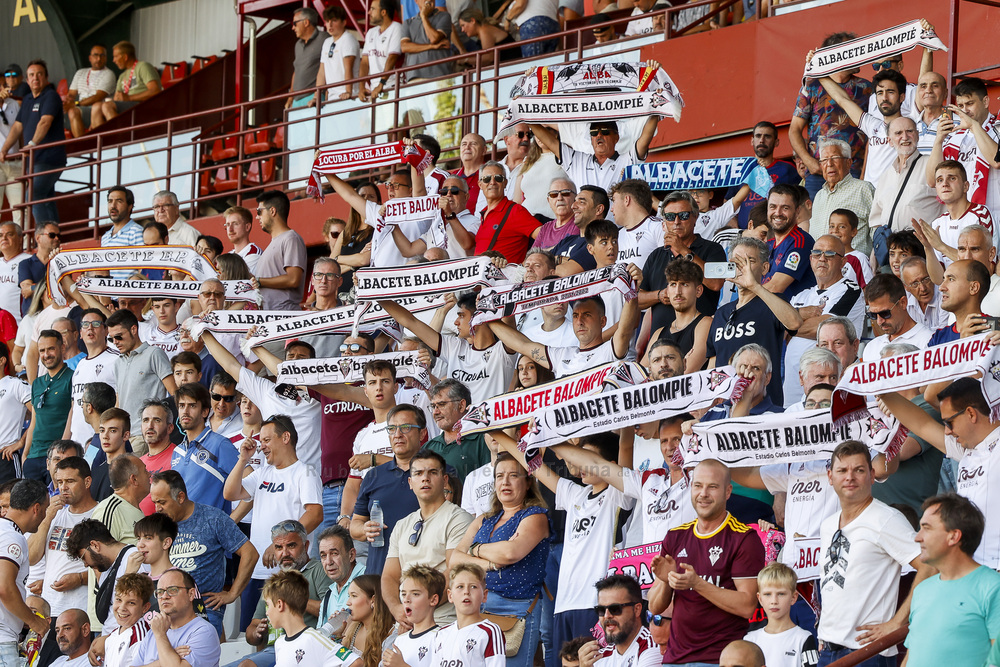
x=376 y=516
x=389 y=641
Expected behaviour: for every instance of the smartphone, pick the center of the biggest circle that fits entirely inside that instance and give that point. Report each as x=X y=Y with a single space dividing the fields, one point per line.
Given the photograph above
x=720 y=270
x=993 y=323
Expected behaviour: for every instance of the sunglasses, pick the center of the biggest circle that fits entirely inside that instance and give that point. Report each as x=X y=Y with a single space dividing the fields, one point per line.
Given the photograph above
x=883 y=64
x=51 y=235
x=450 y=190
x=553 y=194
x=825 y=253
x=615 y=609
x=881 y=314
x=402 y=428
x=603 y=131
x=522 y=134
x=418 y=528
x=948 y=422
x=493 y=178
x=353 y=347
x=41 y=398
x=11 y=74
x=683 y=215
x=117 y=338
x=221 y=397
x=215 y=294
x=657 y=619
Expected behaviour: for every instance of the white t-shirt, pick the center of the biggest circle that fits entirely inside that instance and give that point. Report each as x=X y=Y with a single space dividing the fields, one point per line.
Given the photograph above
x=250 y=253
x=810 y=501
x=563 y=336
x=385 y=252
x=305 y=413
x=379 y=46
x=97 y=369
x=10 y=292
x=58 y=563
x=15 y=394
x=569 y=360
x=277 y=495
x=949 y=229
x=663 y=505
x=712 y=221
x=372 y=439
x=589 y=539
x=310 y=648
x=455 y=250
x=918 y=335
x=880 y=151
x=614 y=302
x=417 y=649
x=486 y=373
x=859 y=575
x=934 y=317
x=120 y=646
x=477 y=490
x=866 y=268
x=332 y=61
x=636 y=244
x=639 y=26
x=583 y=169
x=168 y=341
x=13 y=548
x=642 y=652
x=795 y=647
x=79 y=661
x=476 y=645
x=978 y=474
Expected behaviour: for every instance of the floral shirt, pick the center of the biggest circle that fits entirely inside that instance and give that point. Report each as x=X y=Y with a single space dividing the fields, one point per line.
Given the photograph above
x=828 y=121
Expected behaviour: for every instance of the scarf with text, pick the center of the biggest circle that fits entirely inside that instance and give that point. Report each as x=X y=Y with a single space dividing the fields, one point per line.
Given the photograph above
x=979 y=176
x=233 y=321
x=236 y=290
x=137 y=258
x=495 y=303
x=905 y=371
x=581 y=77
x=877 y=46
x=339 y=370
x=627 y=406
x=448 y=275
x=342 y=160
x=412 y=210
x=989 y=366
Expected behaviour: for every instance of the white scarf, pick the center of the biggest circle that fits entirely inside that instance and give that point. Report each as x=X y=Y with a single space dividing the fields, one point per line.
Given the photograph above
x=236 y=290
x=449 y=275
x=339 y=370
x=877 y=46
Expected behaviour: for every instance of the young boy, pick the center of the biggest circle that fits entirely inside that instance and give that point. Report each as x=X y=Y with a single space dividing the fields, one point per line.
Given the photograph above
x=132 y=595
x=163 y=331
x=684 y=323
x=155 y=534
x=857 y=267
x=569 y=654
x=421 y=591
x=602 y=241
x=712 y=220
x=784 y=644
x=186 y=367
x=285 y=595
x=471 y=641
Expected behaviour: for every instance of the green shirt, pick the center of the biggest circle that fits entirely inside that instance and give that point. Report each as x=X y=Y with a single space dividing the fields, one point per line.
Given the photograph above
x=917 y=477
x=953 y=622
x=464 y=455
x=136 y=78
x=51 y=399
x=318 y=583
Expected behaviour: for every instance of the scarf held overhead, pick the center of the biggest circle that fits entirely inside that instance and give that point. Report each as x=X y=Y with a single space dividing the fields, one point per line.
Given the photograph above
x=236 y=290
x=357 y=159
x=339 y=370
x=857 y=52
x=138 y=258
x=449 y=275
x=581 y=77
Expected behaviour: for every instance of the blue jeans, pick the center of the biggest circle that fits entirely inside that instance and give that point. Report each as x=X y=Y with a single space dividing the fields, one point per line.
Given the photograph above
x=214 y=616
x=548 y=606
x=332 y=497
x=538 y=27
x=44 y=187
x=9 y=656
x=263 y=658
x=827 y=656
x=498 y=604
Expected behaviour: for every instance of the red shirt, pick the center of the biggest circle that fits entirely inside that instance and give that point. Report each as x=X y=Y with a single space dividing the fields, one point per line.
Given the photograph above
x=472 y=180
x=155 y=464
x=701 y=630
x=342 y=420
x=515 y=237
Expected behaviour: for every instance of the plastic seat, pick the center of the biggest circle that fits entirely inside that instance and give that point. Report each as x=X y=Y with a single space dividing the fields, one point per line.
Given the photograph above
x=205 y=183
x=201 y=62
x=279 y=137
x=260 y=172
x=173 y=73
x=226 y=179
x=224 y=149
x=63 y=89
x=257 y=142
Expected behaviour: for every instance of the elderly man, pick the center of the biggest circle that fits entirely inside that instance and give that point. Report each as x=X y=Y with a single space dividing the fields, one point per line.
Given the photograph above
x=841 y=190
x=461 y=225
x=308 y=51
x=561 y=195
x=839 y=335
x=923 y=299
x=450 y=400
x=902 y=193
x=339 y=559
x=931 y=91
x=31 y=270
x=72 y=632
x=90 y=86
x=741 y=653
x=167 y=211
x=815 y=366
x=507 y=228
x=517 y=143
x=176 y=625
x=137 y=82
x=833 y=294
x=679 y=213
x=471 y=152
x=571 y=253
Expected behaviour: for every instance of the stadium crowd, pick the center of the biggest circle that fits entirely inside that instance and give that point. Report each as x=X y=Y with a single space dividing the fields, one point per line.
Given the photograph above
x=155 y=471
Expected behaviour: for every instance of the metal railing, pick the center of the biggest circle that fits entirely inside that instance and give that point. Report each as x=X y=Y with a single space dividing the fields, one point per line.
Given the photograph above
x=188 y=139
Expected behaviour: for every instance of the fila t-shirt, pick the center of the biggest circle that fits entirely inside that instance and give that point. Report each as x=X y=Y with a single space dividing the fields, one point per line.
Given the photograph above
x=486 y=372
x=636 y=244
x=733 y=551
x=569 y=360
x=14 y=549
x=279 y=494
x=14 y=395
x=949 y=230
x=588 y=540
x=92 y=369
x=979 y=481
x=664 y=505
x=476 y=645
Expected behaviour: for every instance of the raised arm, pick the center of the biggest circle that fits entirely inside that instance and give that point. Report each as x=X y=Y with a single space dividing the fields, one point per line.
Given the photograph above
x=346 y=192
x=840 y=96
x=517 y=341
x=408 y=320
x=543 y=474
x=786 y=314
x=221 y=354
x=914 y=418
x=609 y=471
x=549 y=139
x=629 y=318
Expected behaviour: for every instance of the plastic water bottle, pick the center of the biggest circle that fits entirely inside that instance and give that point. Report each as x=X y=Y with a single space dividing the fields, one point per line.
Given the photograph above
x=390 y=641
x=376 y=516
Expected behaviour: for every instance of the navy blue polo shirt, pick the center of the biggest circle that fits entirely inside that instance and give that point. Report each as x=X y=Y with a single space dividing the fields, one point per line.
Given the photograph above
x=575 y=248
x=390 y=485
x=48 y=103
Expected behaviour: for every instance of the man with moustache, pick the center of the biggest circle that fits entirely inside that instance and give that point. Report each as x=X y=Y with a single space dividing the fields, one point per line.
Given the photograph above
x=763 y=141
x=124 y=230
x=73 y=638
x=518 y=142
x=51 y=401
x=627 y=642
x=788 y=272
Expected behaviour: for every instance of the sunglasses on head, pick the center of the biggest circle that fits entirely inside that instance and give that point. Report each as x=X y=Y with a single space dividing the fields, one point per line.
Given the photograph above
x=450 y=190
x=221 y=397
x=603 y=131
x=673 y=215
x=493 y=178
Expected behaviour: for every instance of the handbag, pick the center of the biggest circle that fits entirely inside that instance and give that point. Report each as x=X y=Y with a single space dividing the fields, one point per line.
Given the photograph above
x=512 y=627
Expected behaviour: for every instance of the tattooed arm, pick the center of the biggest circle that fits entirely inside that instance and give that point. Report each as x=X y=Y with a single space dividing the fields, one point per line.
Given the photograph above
x=518 y=342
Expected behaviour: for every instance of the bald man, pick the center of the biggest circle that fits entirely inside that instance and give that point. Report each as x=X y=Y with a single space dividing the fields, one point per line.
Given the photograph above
x=73 y=637
x=741 y=653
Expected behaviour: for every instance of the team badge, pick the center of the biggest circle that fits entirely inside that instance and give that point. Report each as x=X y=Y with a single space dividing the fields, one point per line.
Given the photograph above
x=299 y=654
x=470 y=645
x=714 y=553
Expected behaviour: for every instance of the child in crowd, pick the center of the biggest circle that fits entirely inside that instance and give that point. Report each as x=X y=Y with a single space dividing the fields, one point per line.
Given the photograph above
x=285 y=596
x=569 y=654
x=132 y=595
x=421 y=591
x=602 y=244
x=685 y=324
x=155 y=534
x=857 y=267
x=711 y=220
x=902 y=245
x=471 y=641
x=784 y=644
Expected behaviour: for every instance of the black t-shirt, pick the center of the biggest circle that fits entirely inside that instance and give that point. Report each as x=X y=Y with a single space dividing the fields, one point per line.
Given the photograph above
x=654 y=279
x=575 y=248
x=733 y=328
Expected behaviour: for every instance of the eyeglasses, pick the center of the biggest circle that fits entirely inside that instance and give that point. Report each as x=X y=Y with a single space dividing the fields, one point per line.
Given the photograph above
x=915 y=285
x=825 y=253
x=223 y=397
x=451 y=190
x=615 y=609
x=260 y=210
x=218 y=295
x=947 y=422
x=522 y=134
x=392 y=185
x=353 y=347
x=160 y=207
x=657 y=619
x=91 y=324
x=402 y=428
x=81 y=402
x=567 y=194
x=832 y=158
x=493 y=178
x=683 y=215
x=117 y=338
x=881 y=314
x=326 y=276
x=169 y=591
x=297 y=21
x=418 y=528
x=885 y=64
x=603 y=131
x=440 y=404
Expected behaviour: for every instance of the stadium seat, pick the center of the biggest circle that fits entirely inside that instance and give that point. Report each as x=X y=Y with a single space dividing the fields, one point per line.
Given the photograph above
x=279 y=137
x=205 y=183
x=225 y=149
x=200 y=62
x=63 y=89
x=173 y=73
x=226 y=179
x=260 y=172
x=257 y=142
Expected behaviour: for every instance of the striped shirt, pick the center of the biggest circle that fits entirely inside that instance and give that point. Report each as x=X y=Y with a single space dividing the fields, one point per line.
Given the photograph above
x=129 y=235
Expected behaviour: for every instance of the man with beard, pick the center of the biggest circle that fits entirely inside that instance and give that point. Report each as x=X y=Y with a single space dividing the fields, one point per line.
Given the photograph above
x=291 y=551
x=177 y=625
x=628 y=642
x=204 y=457
x=789 y=272
x=666 y=359
x=901 y=193
x=51 y=400
x=124 y=230
x=73 y=638
x=282 y=265
x=92 y=543
x=763 y=141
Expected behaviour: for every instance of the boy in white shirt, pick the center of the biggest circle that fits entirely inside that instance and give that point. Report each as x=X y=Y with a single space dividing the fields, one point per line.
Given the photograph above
x=784 y=644
x=132 y=595
x=285 y=595
x=471 y=641
x=421 y=591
